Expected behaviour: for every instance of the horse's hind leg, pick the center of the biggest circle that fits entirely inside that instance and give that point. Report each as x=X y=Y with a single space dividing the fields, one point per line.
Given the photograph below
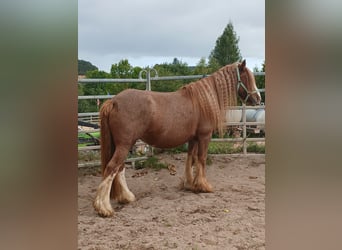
x=120 y=190
x=102 y=200
x=200 y=183
x=190 y=161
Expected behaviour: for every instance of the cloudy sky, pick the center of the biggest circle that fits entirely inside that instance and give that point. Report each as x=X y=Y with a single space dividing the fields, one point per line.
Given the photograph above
x=147 y=32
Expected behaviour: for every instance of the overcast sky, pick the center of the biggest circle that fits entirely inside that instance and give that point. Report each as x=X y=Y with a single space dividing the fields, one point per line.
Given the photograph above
x=147 y=32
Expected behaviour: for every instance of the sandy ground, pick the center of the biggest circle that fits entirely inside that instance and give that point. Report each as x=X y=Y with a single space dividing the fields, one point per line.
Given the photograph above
x=165 y=217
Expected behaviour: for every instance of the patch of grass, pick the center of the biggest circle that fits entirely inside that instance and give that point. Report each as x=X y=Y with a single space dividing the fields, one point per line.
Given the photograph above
x=229 y=148
x=153 y=163
x=180 y=149
x=253 y=147
x=223 y=148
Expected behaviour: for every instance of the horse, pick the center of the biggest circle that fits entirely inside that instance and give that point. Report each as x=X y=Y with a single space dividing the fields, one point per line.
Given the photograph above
x=165 y=120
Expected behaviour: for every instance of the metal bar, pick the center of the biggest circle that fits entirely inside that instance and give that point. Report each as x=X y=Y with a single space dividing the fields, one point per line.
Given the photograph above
x=148 y=80
x=85 y=97
x=246 y=107
x=140 y=143
x=136 y=159
x=212 y=140
x=228 y=123
x=236 y=139
x=98 y=163
x=237 y=154
x=255 y=139
x=244 y=132
x=241 y=123
x=110 y=80
x=227 y=140
x=88 y=114
x=82 y=97
x=88 y=148
x=161 y=78
x=164 y=78
x=89 y=164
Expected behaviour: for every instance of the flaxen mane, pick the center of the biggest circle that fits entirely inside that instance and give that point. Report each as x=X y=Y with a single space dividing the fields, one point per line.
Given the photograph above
x=214 y=94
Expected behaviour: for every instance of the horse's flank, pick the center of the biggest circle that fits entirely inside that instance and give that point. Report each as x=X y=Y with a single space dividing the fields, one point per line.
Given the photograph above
x=154 y=116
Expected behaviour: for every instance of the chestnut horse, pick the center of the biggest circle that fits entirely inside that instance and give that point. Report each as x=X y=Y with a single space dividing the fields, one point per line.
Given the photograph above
x=167 y=120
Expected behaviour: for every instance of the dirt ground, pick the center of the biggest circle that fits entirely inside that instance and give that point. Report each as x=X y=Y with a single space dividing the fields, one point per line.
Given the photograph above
x=165 y=217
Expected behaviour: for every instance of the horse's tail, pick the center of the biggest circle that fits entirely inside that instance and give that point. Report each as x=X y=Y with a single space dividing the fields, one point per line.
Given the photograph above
x=107 y=143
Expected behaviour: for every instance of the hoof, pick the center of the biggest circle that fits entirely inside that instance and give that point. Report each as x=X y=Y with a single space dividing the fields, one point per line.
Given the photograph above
x=188 y=186
x=184 y=185
x=202 y=187
x=102 y=209
x=128 y=198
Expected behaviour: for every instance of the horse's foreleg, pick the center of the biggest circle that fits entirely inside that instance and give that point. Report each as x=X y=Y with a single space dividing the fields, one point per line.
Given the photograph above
x=200 y=183
x=120 y=190
x=190 y=161
x=102 y=200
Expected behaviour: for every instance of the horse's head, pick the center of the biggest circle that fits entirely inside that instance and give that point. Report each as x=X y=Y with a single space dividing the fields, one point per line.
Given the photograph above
x=246 y=87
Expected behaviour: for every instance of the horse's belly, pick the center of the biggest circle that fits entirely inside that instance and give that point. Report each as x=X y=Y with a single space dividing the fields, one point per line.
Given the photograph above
x=166 y=143
x=168 y=139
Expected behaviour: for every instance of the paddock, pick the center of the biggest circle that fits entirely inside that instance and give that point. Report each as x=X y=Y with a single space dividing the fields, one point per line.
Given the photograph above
x=164 y=217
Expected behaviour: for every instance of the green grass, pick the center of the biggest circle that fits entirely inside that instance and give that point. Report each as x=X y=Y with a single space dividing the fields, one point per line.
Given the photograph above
x=255 y=148
x=152 y=162
x=229 y=148
x=223 y=148
x=180 y=149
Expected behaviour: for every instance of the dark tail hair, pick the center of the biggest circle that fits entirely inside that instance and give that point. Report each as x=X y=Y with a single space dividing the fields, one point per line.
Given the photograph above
x=107 y=143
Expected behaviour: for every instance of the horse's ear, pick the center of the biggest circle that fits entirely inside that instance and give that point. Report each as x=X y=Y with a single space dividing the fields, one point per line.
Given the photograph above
x=242 y=65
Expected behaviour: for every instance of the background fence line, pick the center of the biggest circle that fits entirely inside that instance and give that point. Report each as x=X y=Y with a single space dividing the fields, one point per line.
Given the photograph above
x=94 y=116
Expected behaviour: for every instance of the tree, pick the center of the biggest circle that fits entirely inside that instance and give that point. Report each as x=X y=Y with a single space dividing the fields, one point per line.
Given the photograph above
x=122 y=69
x=84 y=66
x=97 y=74
x=201 y=67
x=226 y=50
x=177 y=67
x=213 y=65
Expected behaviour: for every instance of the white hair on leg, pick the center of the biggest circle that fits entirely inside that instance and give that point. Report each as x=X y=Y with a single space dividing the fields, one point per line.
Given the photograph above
x=125 y=196
x=102 y=200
